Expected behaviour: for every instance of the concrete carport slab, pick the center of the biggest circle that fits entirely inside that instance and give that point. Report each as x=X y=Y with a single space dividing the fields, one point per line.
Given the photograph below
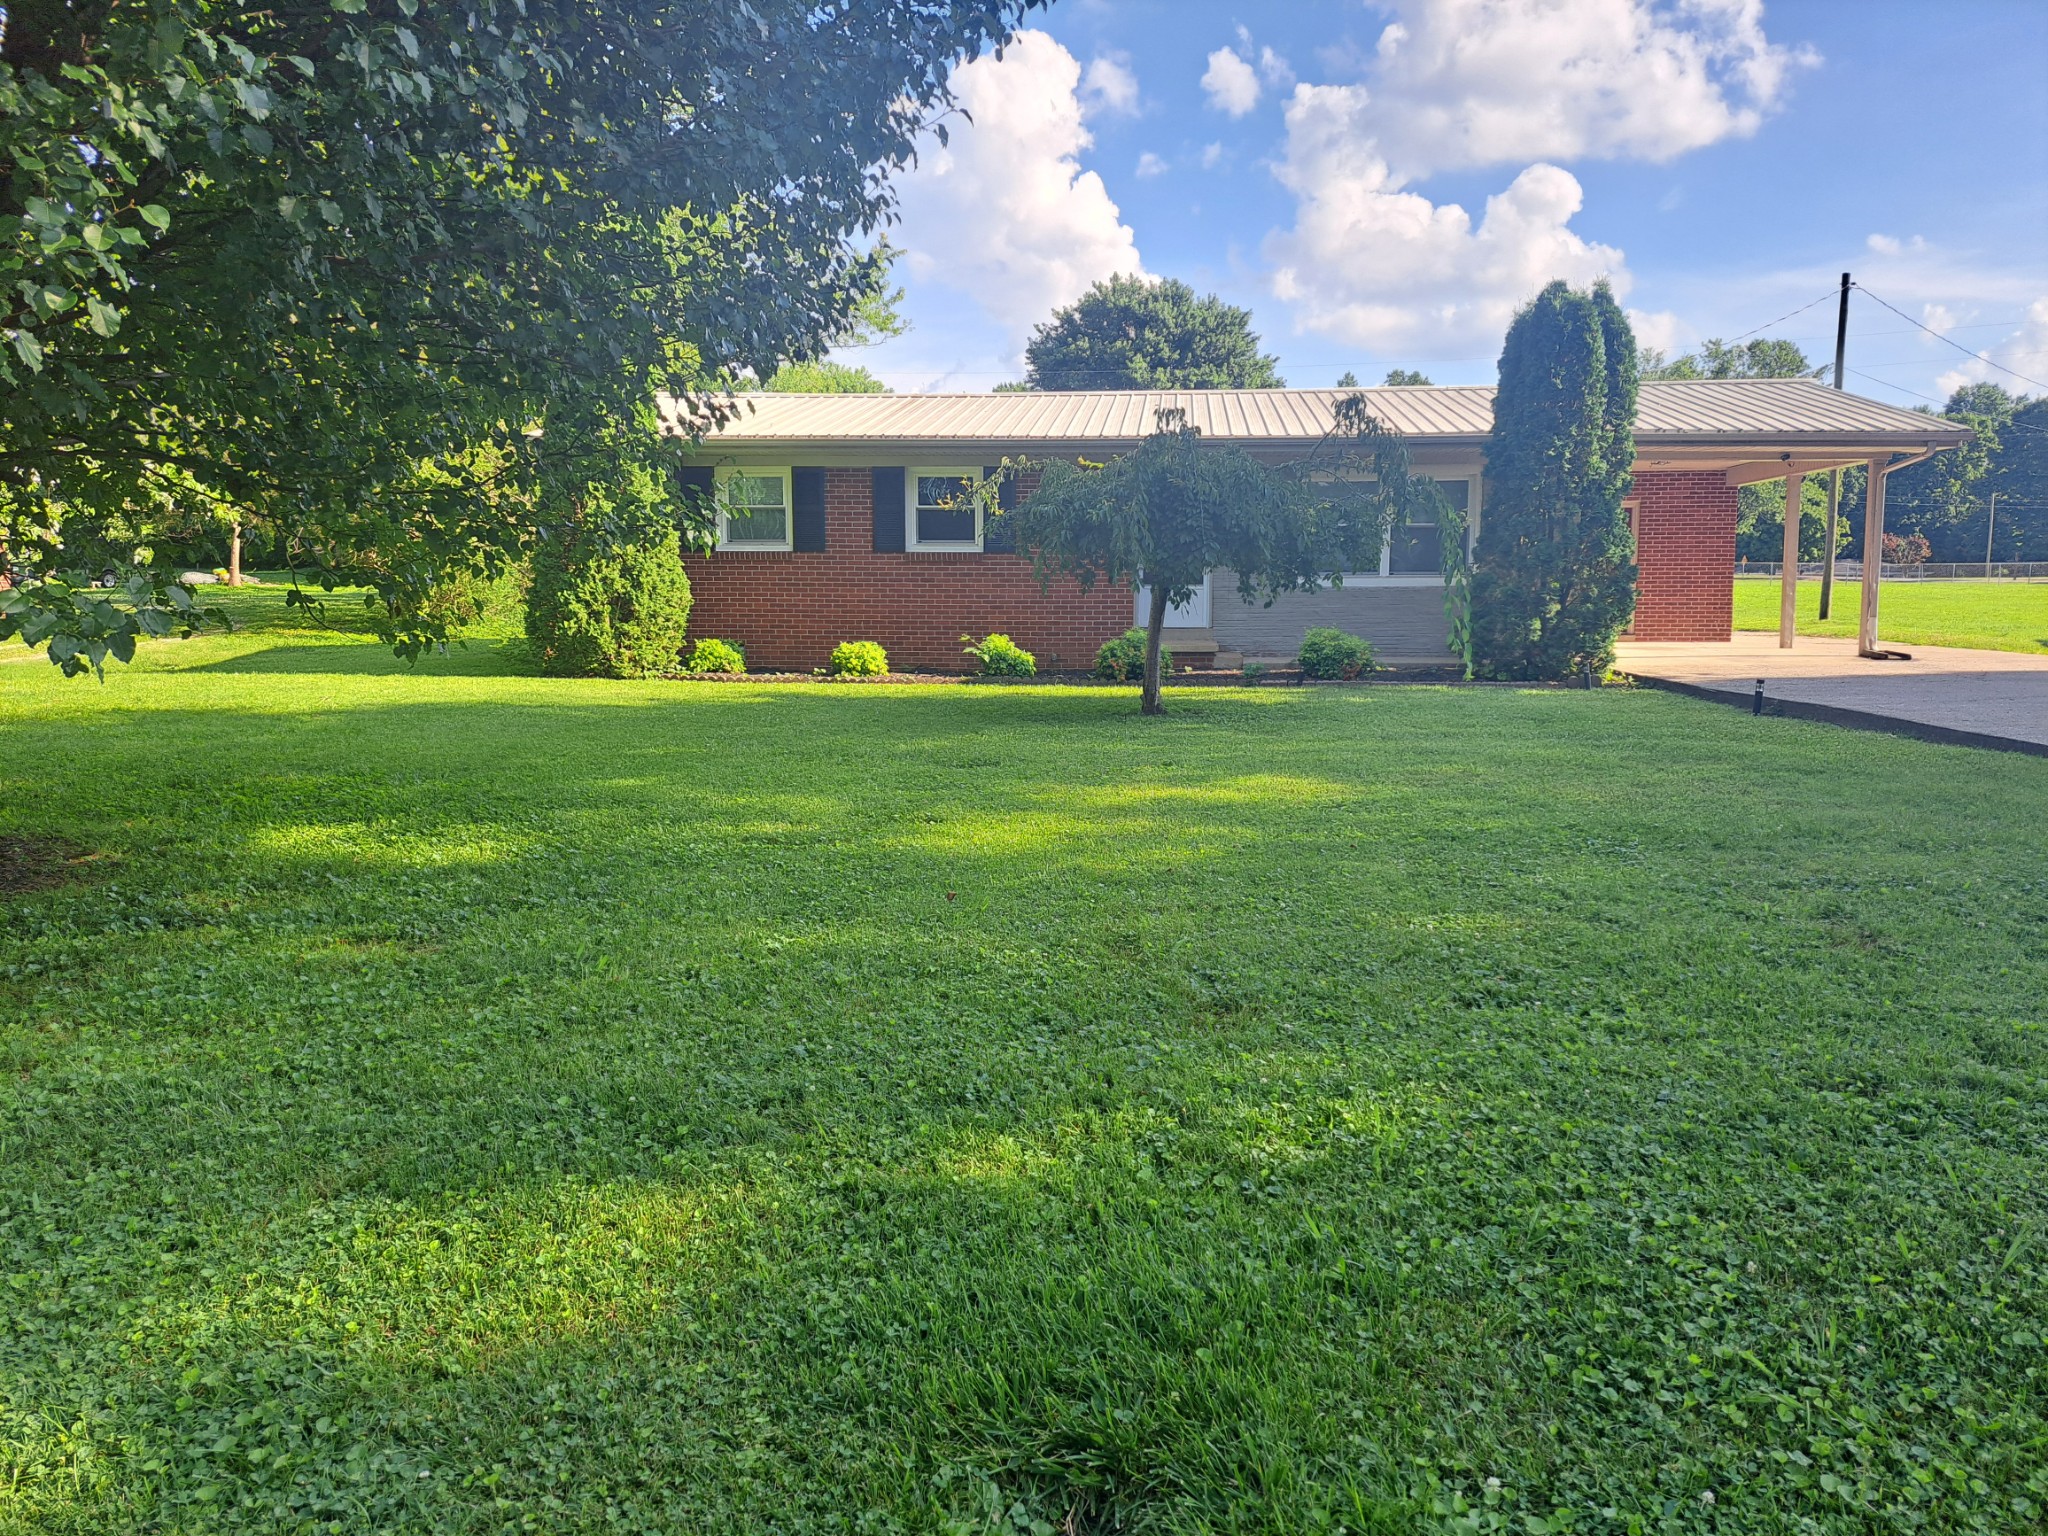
x=1973 y=698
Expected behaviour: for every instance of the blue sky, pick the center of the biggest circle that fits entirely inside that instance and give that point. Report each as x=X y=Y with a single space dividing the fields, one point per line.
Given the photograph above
x=1380 y=184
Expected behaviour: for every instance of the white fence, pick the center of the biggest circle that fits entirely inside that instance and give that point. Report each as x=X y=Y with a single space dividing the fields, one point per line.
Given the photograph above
x=1961 y=570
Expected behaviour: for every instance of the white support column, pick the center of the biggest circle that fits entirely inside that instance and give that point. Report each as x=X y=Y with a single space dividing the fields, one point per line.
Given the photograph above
x=1788 y=577
x=1873 y=556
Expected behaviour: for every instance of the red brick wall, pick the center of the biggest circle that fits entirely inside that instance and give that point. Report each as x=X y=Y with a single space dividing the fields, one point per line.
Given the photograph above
x=1685 y=556
x=787 y=610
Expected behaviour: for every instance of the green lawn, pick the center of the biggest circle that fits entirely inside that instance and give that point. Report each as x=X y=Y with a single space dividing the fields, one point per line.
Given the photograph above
x=1987 y=615
x=461 y=1101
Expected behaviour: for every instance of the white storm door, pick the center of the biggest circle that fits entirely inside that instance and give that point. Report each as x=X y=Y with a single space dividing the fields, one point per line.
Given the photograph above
x=1192 y=614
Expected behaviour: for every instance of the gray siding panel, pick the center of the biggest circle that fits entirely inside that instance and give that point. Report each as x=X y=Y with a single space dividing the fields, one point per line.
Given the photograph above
x=1401 y=622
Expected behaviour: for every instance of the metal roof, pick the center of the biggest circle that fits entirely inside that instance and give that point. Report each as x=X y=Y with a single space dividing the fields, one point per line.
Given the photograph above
x=1728 y=413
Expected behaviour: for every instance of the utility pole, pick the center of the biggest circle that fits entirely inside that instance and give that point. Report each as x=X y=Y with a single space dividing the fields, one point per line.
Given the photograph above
x=1990 y=523
x=1827 y=555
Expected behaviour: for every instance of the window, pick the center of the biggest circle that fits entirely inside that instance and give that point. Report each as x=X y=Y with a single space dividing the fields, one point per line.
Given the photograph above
x=1414 y=548
x=753 y=508
x=943 y=511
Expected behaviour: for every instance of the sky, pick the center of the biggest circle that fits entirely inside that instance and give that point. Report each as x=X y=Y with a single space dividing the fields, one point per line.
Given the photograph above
x=1382 y=184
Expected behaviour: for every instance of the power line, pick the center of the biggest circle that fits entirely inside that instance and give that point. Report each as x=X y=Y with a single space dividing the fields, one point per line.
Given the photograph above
x=1802 y=309
x=1888 y=384
x=1956 y=344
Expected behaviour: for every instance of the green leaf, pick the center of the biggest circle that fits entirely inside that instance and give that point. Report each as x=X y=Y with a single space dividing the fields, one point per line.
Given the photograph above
x=155 y=215
x=105 y=319
x=28 y=349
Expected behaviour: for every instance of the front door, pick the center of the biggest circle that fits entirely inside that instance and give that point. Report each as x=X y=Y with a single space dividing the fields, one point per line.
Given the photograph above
x=1192 y=614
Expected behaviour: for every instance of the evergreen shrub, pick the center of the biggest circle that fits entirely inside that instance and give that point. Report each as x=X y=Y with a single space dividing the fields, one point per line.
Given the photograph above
x=1553 y=577
x=609 y=599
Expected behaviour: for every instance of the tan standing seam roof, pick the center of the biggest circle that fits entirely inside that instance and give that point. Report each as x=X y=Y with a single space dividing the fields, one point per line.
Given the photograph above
x=1780 y=411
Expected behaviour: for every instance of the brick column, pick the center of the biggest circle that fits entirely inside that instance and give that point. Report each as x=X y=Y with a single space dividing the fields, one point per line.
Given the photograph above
x=1685 y=556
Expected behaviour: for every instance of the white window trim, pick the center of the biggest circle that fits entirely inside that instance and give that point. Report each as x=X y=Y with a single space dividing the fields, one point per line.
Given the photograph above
x=1385 y=575
x=724 y=473
x=911 y=543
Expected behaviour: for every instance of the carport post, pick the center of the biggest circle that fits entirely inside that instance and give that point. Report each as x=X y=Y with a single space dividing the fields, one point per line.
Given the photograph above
x=1873 y=557
x=1788 y=573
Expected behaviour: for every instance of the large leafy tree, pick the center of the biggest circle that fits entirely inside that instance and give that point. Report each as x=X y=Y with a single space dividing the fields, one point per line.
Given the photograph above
x=1141 y=333
x=823 y=377
x=1175 y=508
x=1946 y=499
x=398 y=273
x=2019 y=475
x=1553 y=577
x=1765 y=357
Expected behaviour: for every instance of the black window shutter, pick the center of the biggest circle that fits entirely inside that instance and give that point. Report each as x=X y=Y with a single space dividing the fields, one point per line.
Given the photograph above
x=698 y=486
x=807 y=509
x=889 y=511
x=996 y=539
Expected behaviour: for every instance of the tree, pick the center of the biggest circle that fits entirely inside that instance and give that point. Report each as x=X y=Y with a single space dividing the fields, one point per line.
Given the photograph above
x=823 y=378
x=1347 y=380
x=1554 y=573
x=2019 y=475
x=1141 y=333
x=1946 y=498
x=1762 y=358
x=297 y=250
x=1405 y=376
x=1012 y=387
x=1760 y=521
x=1175 y=508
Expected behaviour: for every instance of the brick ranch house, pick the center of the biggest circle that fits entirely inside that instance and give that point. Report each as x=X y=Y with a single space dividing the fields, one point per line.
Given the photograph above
x=836 y=519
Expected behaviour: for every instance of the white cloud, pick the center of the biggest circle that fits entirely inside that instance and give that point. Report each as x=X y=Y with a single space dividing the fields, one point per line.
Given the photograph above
x=1884 y=245
x=1464 y=83
x=1380 y=267
x=1232 y=84
x=1212 y=155
x=1110 y=86
x=1659 y=329
x=1458 y=84
x=1150 y=164
x=1938 y=318
x=1005 y=213
x=1277 y=71
x=2025 y=350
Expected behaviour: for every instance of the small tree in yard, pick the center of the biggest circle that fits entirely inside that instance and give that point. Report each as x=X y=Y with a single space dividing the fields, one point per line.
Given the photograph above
x=1166 y=514
x=1554 y=574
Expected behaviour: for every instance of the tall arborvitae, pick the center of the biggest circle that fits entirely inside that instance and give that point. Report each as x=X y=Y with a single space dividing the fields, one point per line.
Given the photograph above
x=1553 y=577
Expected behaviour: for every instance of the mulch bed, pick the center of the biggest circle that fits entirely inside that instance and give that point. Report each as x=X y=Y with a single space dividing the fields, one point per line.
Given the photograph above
x=29 y=864
x=1211 y=678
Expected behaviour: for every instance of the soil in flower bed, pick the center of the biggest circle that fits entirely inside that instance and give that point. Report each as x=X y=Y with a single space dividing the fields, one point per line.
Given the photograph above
x=1209 y=678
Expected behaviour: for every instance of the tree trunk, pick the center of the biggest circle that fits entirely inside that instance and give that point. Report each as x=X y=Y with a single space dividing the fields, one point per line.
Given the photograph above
x=235 y=555
x=1155 y=621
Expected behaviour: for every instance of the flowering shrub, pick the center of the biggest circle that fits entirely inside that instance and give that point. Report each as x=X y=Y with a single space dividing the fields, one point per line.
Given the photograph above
x=1906 y=549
